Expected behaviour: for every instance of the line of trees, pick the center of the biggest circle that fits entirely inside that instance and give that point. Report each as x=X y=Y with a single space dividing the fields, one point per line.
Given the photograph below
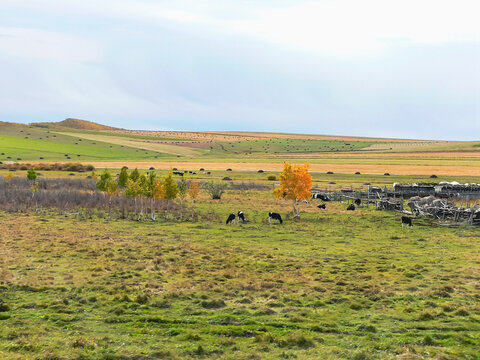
x=147 y=189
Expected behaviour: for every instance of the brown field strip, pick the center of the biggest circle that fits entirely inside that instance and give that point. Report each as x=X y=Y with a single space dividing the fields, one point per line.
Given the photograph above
x=340 y=168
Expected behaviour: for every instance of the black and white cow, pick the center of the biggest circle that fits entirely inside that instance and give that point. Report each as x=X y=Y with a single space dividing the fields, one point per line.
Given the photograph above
x=231 y=218
x=321 y=197
x=351 y=207
x=407 y=221
x=358 y=202
x=274 y=216
x=241 y=217
x=322 y=206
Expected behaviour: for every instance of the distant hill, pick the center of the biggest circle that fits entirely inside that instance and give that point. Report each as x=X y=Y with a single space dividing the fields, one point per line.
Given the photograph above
x=72 y=123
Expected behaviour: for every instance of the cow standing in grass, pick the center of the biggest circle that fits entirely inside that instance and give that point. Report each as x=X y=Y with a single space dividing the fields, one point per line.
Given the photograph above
x=321 y=197
x=241 y=217
x=407 y=221
x=231 y=218
x=274 y=216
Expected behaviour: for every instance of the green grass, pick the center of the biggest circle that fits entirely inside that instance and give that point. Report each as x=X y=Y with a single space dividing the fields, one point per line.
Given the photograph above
x=119 y=134
x=55 y=148
x=280 y=145
x=330 y=286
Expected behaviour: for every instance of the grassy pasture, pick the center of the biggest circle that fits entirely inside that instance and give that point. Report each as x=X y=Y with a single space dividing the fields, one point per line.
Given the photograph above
x=334 y=285
x=138 y=144
x=119 y=133
x=285 y=145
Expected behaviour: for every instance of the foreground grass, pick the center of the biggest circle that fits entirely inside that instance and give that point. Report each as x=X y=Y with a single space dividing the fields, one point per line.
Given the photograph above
x=332 y=286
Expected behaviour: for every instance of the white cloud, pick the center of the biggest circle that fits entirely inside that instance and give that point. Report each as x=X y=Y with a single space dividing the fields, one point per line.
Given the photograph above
x=328 y=26
x=346 y=27
x=44 y=44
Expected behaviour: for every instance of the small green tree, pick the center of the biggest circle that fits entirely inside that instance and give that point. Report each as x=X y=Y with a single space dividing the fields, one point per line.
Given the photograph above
x=123 y=177
x=215 y=189
x=150 y=192
x=104 y=180
x=182 y=193
x=134 y=175
x=34 y=189
x=108 y=185
x=31 y=174
x=183 y=186
x=132 y=190
x=143 y=190
x=122 y=184
x=170 y=186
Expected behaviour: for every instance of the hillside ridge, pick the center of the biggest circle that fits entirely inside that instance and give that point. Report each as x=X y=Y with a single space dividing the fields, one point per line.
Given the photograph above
x=73 y=123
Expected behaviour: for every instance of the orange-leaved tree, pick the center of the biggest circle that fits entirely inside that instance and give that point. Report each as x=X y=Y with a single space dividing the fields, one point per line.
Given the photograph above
x=296 y=183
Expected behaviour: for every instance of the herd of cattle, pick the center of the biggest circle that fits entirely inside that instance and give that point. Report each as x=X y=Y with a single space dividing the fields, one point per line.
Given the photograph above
x=276 y=216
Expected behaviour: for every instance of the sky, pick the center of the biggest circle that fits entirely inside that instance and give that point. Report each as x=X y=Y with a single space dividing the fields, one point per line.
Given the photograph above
x=402 y=69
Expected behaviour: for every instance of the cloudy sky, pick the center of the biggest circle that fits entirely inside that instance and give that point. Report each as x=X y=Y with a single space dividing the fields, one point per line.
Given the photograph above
x=407 y=68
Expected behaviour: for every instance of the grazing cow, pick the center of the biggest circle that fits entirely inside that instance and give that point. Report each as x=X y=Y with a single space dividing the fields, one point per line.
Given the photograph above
x=322 y=206
x=274 y=216
x=231 y=218
x=351 y=207
x=241 y=217
x=358 y=202
x=407 y=221
x=321 y=197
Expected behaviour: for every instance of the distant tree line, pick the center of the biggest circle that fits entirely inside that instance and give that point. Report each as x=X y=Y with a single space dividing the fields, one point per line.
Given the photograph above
x=76 y=167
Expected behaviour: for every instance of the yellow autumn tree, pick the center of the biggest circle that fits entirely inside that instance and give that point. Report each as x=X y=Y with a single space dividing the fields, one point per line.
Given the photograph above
x=193 y=190
x=296 y=183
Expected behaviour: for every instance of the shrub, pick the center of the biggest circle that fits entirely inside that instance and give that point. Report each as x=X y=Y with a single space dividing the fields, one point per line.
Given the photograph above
x=271 y=177
x=215 y=189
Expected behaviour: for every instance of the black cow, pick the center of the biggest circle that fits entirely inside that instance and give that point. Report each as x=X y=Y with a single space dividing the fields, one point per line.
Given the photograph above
x=407 y=221
x=351 y=207
x=358 y=202
x=241 y=216
x=322 y=206
x=274 y=216
x=321 y=197
x=231 y=218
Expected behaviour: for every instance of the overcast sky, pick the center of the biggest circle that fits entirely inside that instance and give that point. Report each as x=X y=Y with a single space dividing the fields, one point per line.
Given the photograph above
x=407 y=68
